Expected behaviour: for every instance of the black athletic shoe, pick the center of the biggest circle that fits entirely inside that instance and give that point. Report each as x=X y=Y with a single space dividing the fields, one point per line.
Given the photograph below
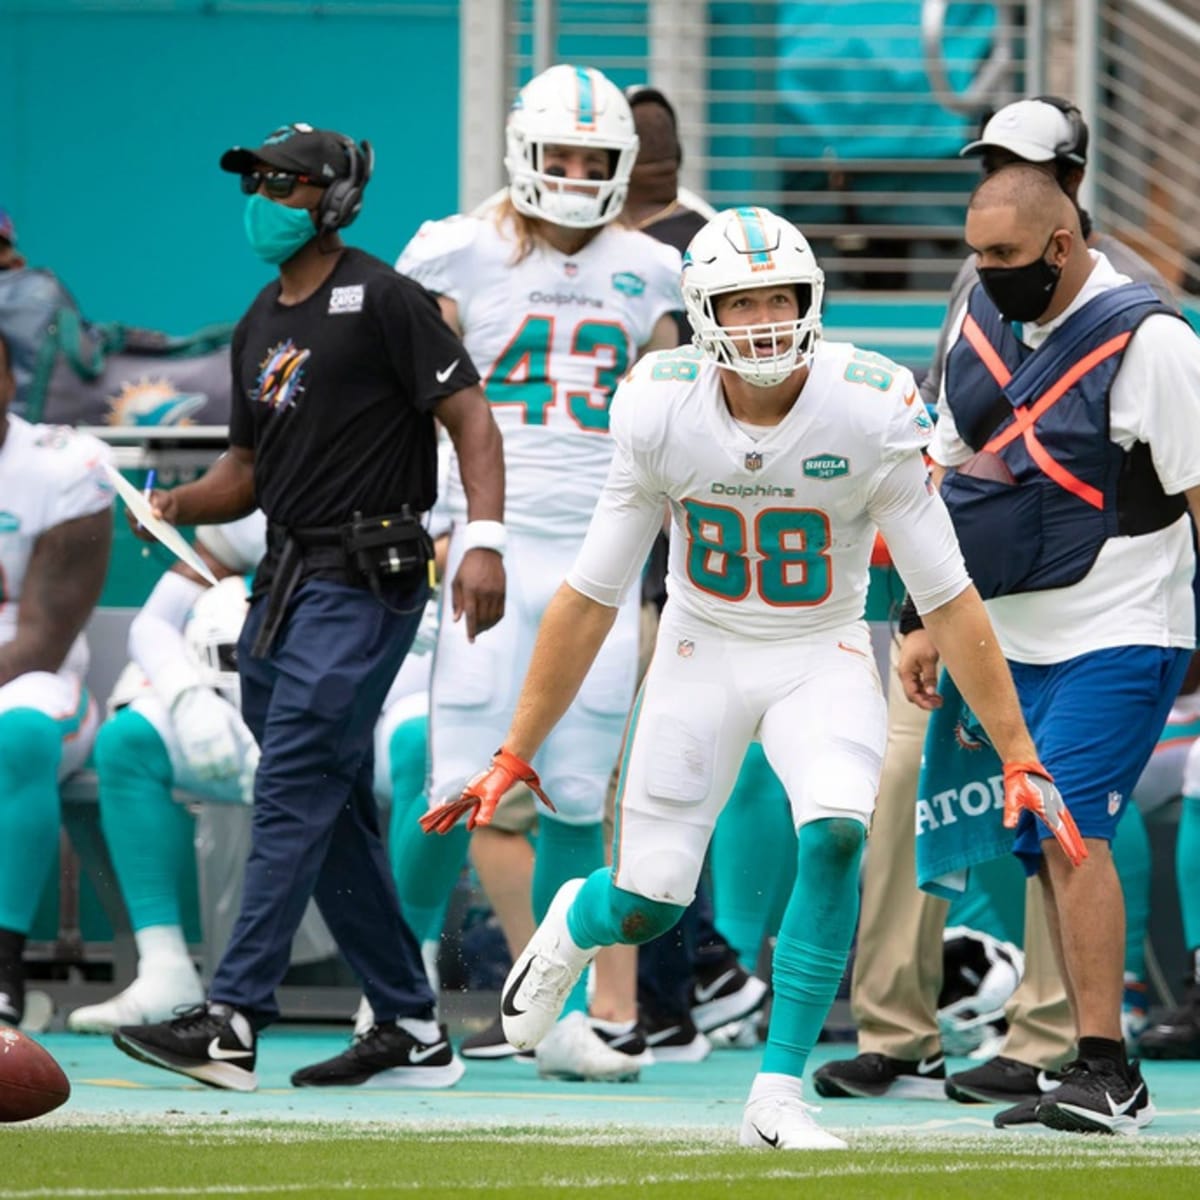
x=1097 y=1097
x=213 y=1043
x=12 y=991
x=1177 y=1035
x=871 y=1075
x=631 y=1042
x=387 y=1056
x=1022 y=1115
x=674 y=1039
x=490 y=1043
x=725 y=992
x=1000 y=1080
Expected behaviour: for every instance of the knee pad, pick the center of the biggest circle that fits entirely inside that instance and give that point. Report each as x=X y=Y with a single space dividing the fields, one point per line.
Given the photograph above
x=579 y=800
x=664 y=874
x=128 y=746
x=30 y=748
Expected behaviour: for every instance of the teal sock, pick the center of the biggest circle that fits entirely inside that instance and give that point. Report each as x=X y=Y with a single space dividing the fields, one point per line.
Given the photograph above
x=564 y=852
x=150 y=837
x=603 y=914
x=427 y=866
x=30 y=811
x=424 y=912
x=1131 y=857
x=814 y=940
x=752 y=858
x=1187 y=871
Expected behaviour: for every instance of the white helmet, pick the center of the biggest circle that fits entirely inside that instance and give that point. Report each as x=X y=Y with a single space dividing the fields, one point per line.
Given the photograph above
x=980 y=973
x=750 y=248
x=212 y=632
x=569 y=106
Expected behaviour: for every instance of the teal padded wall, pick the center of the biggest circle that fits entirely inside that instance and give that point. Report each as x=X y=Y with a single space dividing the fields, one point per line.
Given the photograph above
x=115 y=113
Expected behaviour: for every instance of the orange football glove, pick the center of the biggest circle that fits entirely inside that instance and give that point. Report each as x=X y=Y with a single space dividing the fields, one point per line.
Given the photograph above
x=1029 y=786
x=480 y=797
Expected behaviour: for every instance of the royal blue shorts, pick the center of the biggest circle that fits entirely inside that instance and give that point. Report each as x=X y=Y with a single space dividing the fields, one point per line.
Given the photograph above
x=1095 y=720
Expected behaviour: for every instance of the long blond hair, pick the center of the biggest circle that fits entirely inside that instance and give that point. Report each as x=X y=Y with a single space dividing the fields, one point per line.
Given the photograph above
x=526 y=231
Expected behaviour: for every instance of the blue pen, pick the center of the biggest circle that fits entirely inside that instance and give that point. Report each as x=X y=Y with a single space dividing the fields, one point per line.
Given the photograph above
x=147 y=488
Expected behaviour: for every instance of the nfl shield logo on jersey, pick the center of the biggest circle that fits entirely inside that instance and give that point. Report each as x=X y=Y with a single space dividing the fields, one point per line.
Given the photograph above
x=754 y=460
x=684 y=647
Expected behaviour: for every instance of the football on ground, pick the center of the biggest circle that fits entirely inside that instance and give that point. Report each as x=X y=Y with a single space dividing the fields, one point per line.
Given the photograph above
x=31 y=1082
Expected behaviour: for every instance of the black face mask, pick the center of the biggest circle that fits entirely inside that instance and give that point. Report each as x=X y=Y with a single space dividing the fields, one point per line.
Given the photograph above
x=1022 y=293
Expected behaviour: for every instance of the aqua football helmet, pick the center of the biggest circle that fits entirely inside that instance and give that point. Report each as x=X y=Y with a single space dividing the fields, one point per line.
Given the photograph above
x=569 y=106
x=743 y=248
x=211 y=635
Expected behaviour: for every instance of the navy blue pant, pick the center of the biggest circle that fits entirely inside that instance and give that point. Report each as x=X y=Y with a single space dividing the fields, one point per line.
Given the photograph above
x=312 y=703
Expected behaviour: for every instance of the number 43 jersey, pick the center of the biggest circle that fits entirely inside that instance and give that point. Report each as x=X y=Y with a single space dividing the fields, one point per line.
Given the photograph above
x=551 y=335
x=772 y=526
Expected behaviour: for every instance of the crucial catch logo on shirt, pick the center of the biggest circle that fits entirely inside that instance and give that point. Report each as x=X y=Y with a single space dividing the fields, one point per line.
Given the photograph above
x=826 y=466
x=346 y=299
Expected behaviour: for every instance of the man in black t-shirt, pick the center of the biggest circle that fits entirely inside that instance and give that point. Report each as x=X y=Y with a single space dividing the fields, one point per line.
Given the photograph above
x=339 y=368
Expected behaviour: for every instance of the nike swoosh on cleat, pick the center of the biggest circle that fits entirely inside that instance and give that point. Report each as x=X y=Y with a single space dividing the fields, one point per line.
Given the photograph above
x=419 y=1056
x=705 y=994
x=927 y=1065
x=773 y=1142
x=506 y=1004
x=442 y=376
x=215 y=1051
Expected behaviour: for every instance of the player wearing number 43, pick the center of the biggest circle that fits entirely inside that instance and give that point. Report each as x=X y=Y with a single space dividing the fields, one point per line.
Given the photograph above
x=554 y=299
x=779 y=456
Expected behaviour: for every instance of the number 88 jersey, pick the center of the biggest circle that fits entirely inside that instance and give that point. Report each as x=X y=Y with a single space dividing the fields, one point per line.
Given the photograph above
x=551 y=335
x=772 y=526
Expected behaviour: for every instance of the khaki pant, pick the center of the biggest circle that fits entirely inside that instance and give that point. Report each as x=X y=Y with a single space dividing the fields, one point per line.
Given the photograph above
x=898 y=964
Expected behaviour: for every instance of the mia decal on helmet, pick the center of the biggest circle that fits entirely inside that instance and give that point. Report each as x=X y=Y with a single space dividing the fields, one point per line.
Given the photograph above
x=153 y=402
x=741 y=249
x=281 y=376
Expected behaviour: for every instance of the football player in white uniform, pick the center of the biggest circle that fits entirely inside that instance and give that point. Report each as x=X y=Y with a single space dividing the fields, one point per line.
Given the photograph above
x=55 y=536
x=554 y=299
x=779 y=456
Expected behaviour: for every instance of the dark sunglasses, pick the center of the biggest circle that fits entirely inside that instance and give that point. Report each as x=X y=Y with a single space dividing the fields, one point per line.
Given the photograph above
x=279 y=185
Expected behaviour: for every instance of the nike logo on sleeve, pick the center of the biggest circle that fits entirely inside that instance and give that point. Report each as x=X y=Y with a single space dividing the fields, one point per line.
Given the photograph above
x=442 y=376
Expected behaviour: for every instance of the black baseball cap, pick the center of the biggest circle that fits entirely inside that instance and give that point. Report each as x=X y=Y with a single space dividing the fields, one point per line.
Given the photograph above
x=319 y=154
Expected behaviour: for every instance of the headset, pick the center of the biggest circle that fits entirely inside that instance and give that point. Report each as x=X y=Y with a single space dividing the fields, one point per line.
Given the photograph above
x=1074 y=150
x=342 y=200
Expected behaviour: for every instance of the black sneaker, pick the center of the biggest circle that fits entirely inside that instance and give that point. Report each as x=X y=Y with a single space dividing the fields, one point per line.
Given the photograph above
x=871 y=1075
x=213 y=1043
x=490 y=1043
x=674 y=1039
x=725 y=992
x=387 y=1056
x=1022 y=1115
x=12 y=991
x=1177 y=1035
x=1096 y=1096
x=1000 y=1080
x=631 y=1042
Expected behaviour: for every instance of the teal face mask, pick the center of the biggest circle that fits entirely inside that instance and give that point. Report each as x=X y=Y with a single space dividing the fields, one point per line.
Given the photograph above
x=275 y=231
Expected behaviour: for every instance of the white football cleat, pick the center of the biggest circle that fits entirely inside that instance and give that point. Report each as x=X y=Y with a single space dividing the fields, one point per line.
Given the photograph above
x=784 y=1123
x=574 y=1050
x=148 y=1000
x=543 y=975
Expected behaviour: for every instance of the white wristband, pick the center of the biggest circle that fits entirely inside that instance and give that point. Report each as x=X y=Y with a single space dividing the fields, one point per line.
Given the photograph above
x=485 y=535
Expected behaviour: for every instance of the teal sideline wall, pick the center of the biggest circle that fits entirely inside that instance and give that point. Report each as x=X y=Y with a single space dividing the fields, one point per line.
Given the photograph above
x=115 y=113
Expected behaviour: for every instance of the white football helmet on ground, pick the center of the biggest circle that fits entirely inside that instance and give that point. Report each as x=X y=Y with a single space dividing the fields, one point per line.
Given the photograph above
x=212 y=633
x=569 y=106
x=751 y=247
x=980 y=973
